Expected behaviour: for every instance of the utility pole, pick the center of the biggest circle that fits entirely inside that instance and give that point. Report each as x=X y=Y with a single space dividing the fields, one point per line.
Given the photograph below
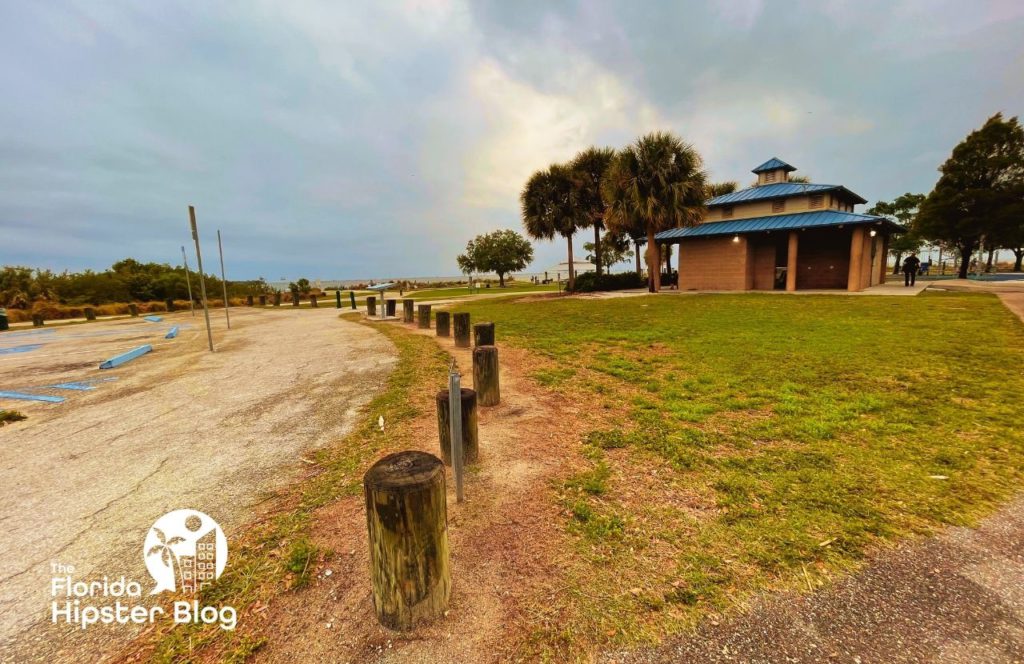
x=223 y=279
x=202 y=279
x=188 y=280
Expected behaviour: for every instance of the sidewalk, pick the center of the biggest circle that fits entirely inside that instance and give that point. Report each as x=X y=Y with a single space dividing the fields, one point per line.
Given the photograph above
x=955 y=598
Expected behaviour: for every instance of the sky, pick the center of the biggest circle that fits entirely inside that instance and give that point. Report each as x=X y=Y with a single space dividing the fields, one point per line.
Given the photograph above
x=354 y=140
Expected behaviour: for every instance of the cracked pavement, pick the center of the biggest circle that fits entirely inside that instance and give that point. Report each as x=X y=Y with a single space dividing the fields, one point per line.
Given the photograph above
x=83 y=481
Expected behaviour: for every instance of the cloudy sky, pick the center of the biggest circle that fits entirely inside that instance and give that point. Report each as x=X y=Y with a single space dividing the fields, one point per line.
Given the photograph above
x=352 y=140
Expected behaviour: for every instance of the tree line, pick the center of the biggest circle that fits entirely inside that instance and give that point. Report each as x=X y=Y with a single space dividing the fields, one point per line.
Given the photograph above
x=127 y=280
x=977 y=204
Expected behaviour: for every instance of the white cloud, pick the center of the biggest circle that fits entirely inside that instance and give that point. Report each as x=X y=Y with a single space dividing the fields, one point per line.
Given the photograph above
x=527 y=129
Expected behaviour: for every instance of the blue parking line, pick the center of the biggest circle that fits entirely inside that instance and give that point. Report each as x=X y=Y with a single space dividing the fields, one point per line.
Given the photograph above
x=22 y=396
x=26 y=348
x=72 y=386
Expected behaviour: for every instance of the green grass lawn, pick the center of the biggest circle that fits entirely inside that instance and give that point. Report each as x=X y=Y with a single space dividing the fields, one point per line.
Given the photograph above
x=755 y=441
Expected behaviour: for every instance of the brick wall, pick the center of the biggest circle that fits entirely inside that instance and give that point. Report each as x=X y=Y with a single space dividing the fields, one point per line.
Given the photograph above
x=764 y=263
x=714 y=263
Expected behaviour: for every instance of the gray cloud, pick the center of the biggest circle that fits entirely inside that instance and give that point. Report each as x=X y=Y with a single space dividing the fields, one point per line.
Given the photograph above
x=365 y=140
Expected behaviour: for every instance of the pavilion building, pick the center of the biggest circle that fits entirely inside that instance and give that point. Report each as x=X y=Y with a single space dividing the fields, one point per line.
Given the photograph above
x=783 y=235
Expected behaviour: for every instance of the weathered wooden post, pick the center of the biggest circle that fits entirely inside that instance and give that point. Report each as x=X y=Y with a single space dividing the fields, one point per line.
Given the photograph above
x=371 y=305
x=249 y=301
x=461 y=324
x=442 y=321
x=406 y=520
x=352 y=298
x=423 y=316
x=312 y=301
x=337 y=299
x=407 y=310
x=483 y=334
x=277 y=299
x=485 y=375
x=37 y=320
x=133 y=309
x=392 y=307
x=169 y=302
x=263 y=300
x=470 y=439
x=90 y=313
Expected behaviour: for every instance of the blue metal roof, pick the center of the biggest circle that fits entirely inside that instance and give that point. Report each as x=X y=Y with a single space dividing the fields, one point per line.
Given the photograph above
x=776 y=222
x=773 y=164
x=778 y=190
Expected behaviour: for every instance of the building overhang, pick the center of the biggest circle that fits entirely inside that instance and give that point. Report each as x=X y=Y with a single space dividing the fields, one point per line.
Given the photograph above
x=779 y=222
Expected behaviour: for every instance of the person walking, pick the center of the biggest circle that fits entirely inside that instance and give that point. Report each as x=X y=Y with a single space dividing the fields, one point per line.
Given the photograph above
x=911 y=264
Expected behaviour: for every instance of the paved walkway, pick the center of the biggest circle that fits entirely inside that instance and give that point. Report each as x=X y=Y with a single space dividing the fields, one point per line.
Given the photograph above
x=957 y=598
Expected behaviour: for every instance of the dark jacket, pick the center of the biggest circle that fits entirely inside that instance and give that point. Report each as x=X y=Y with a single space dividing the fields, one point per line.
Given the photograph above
x=911 y=264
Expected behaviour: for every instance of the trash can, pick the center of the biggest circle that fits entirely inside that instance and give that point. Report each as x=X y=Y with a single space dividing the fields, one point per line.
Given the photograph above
x=3 y=320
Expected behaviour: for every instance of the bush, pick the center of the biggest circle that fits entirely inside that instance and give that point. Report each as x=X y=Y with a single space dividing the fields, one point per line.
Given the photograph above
x=589 y=282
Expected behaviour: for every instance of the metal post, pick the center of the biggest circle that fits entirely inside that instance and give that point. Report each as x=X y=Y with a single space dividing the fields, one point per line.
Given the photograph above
x=223 y=279
x=188 y=281
x=455 y=418
x=202 y=279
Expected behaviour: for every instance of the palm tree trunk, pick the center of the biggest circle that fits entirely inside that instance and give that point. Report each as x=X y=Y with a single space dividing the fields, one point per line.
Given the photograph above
x=597 y=248
x=572 y=269
x=653 y=263
x=636 y=247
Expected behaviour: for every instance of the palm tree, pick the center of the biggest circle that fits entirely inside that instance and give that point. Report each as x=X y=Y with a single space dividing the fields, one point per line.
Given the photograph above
x=548 y=208
x=167 y=554
x=588 y=168
x=722 y=188
x=658 y=183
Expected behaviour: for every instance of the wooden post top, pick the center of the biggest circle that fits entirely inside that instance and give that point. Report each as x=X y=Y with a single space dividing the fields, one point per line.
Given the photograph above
x=406 y=471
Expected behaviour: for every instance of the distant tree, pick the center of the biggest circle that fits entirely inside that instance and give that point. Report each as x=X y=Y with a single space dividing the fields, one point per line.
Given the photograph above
x=979 y=190
x=548 y=209
x=722 y=188
x=658 y=183
x=303 y=285
x=903 y=210
x=588 y=169
x=500 y=252
x=614 y=249
x=799 y=179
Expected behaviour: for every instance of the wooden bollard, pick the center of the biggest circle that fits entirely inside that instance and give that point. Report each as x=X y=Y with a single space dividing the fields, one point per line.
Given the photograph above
x=407 y=310
x=371 y=305
x=461 y=324
x=337 y=299
x=442 y=321
x=423 y=316
x=485 y=375
x=295 y=299
x=312 y=301
x=170 y=304
x=263 y=300
x=133 y=309
x=483 y=334
x=392 y=308
x=277 y=299
x=90 y=313
x=249 y=301
x=406 y=520
x=470 y=439
x=352 y=298
x=37 y=320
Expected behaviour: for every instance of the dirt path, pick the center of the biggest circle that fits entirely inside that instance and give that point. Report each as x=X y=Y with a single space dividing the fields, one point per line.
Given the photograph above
x=957 y=599
x=506 y=539
x=83 y=481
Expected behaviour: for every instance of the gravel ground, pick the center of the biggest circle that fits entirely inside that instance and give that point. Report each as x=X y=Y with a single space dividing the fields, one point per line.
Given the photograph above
x=81 y=482
x=956 y=598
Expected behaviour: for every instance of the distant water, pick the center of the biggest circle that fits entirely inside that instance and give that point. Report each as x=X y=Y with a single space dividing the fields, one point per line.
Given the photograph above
x=331 y=284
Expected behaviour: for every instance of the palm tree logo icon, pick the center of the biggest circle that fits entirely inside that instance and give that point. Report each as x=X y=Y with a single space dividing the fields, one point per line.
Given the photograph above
x=185 y=550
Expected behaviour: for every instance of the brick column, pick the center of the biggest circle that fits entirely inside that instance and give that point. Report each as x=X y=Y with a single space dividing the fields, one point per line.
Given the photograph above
x=794 y=241
x=853 y=281
x=884 y=261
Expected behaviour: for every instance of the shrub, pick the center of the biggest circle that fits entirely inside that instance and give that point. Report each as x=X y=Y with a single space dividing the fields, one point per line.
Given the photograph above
x=589 y=282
